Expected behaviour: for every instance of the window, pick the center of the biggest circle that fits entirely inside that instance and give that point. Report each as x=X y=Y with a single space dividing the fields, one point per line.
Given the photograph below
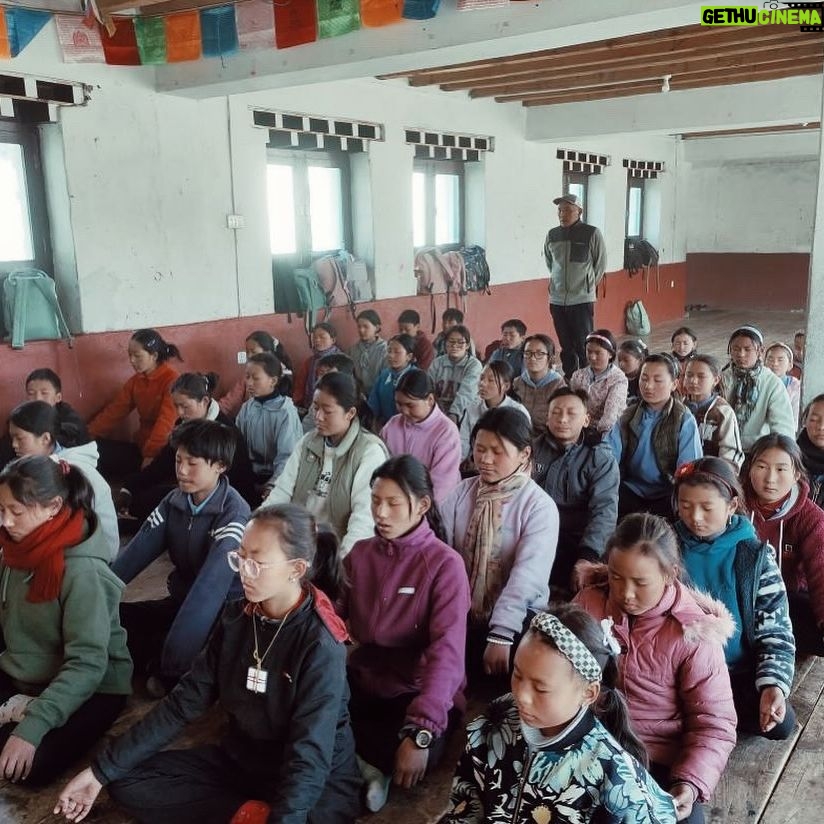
x=635 y=206
x=24 y=226
x=309 y=204
x=438 y=203
x=575 y=183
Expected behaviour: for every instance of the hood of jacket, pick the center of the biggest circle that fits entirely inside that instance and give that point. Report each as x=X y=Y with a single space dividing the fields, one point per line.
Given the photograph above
x=795 y=502
x=740 y=529
x=84 y=455
x=93 y=545
x=550 y=376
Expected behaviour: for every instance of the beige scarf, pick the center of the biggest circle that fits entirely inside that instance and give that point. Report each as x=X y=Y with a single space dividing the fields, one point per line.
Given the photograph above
x=482 y=543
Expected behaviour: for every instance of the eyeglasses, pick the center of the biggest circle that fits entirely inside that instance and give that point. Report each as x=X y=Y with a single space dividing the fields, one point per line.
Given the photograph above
x=458 y=344
x=535 y=355
x=249 y=567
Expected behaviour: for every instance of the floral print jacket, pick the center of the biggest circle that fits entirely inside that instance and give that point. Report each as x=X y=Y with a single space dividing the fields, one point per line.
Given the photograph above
x=584 y=777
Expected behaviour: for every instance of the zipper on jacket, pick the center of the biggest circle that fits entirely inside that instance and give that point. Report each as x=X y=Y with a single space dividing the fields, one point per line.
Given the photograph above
x=519 y=799
x=191 y=521
x=6 y=574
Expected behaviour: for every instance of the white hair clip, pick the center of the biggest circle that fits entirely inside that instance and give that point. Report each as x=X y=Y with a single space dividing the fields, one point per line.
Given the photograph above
x=610 y=641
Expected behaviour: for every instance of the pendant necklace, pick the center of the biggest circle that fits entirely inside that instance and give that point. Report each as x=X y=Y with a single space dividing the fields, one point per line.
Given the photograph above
x=256 y=676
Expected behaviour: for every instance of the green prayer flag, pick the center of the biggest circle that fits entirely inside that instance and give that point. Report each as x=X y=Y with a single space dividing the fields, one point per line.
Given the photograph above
x=151 y=39
x=336 y=17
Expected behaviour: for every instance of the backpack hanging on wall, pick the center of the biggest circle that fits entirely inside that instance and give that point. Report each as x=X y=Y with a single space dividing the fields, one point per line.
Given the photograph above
x=636 y=319
x=31 y=310
x=640 y=256
x=332 y=276
x=477 y=269
x=438 y=274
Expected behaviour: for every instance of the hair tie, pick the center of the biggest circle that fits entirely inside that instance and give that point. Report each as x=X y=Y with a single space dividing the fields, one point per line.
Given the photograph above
x=610 y=641
x=65 y=467
x=569 y=645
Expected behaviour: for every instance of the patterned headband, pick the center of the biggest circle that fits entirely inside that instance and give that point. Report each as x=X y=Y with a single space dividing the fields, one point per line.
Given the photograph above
x=582 y=660
x=783 y=346
x=593 y=336
x=748 y=331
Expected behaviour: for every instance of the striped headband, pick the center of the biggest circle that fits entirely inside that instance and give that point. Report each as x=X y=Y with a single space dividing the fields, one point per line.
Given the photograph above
x=594 y=336
x=784 y=346
x=570 y=646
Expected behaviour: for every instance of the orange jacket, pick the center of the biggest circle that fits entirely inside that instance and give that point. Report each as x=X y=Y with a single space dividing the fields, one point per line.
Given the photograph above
x=150 y=395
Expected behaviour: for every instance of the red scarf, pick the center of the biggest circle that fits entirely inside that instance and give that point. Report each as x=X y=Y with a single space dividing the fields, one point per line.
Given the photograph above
x=767 y=510
x=42 y=552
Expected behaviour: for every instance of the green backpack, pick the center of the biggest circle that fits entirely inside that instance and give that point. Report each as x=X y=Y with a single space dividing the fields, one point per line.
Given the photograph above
x=298 y=291
x=636 y=319
x=30 y=308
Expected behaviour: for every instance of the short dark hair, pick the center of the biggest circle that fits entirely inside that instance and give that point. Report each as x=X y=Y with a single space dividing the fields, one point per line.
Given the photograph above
x=668 y=360
x=508 y=423
x=370 y=315
x=328 y=328
x=568 y=391
x=338 y=362
x=451 y=314
x=210 y=440
x=416 y=384
x=461 y=330
x=409 y=316
x=406 y=341
x=547 y=341
x=45 y=374
x=684 y=330
x=773 y=440
x=341 y=387
x=514 y=323
x=270 y=364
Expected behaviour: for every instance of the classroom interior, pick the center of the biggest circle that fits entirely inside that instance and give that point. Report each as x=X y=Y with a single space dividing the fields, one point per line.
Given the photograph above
x=142 y=174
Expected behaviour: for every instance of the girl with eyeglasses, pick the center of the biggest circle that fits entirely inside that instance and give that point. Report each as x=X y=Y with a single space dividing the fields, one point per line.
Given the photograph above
x=539 y=379
x=276 y=664
x=455 y=374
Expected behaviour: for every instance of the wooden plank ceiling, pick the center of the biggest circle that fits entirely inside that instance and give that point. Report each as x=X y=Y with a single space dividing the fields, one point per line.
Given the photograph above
x=690 y=57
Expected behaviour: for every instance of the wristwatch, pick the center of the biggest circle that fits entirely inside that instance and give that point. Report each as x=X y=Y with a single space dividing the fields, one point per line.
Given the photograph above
x=421 y=737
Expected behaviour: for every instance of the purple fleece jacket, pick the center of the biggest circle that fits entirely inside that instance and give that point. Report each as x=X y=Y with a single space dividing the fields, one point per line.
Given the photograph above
x=435 y=442
x=406 y=602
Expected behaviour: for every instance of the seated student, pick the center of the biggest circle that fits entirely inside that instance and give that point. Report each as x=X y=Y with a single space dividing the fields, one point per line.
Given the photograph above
x=336 y=362
x=777 y=494
x=406 y=673
x=494 y=390
x=420 y=429
x=369 y=353
x=511 y=350
x=144 y=490
x=38 y=429
x=451 y=317
x=630 y=357
x=324 y=337
x=65 y=671
x=578 y=471
x=723 y=557
x=539 y=379
x=760 y=401
x=811 y=444
x=717 y=424
x=409 y=323
x=672 y=658
x=268 y=421
x=778 y=358
x=400 y=358
x=560 y=747
x=455 y=375
x=652 y=439
x=799 y=340
x=329 y=469
x=197 y=524
x=256 y=343
x=147 y=391
x=506 y=528
x=684 y=342
x=605 y=384
x=276 y=664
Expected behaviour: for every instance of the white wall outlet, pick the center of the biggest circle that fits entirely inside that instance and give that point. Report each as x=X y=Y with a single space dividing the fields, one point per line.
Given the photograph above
x=241 y=358
x=672 y=284
x=235 y=221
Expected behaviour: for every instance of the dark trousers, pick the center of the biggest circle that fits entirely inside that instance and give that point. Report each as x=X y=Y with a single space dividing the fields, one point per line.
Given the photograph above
x=204 y=786
x=661 y=773
x=629 y=502
x=117 y=458
x=376 y=723
x=64 y=745
x=747 y=700
x=808 y=640
x=573 y=324
x=147 y=623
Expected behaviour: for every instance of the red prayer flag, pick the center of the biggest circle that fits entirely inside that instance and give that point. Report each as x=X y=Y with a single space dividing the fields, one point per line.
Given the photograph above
x=295 y=23
x=120 y=48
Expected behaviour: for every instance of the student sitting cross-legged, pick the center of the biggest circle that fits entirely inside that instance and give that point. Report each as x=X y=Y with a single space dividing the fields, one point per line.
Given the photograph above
x=197 y=524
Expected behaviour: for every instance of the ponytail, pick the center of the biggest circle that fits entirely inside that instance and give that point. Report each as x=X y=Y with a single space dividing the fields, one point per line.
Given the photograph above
x=154 y=344
x=327 y=570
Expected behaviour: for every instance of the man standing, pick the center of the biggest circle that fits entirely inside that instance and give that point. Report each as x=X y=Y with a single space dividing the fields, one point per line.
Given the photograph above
x=576 y=258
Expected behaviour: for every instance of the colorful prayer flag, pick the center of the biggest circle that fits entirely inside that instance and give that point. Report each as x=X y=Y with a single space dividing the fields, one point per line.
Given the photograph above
x=336 y=17
x=380 y=12
x=151 y=40
x=255 y=24
x=182 y=36
x=120 y=48
x=5 y=46
x=295 y=23
x=218 y=30
x=80 y=44
x=420 y=9
x=22 y=26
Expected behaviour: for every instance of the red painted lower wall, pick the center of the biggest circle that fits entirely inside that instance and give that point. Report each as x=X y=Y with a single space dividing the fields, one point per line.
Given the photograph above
x=97 y=365
x=748 y=281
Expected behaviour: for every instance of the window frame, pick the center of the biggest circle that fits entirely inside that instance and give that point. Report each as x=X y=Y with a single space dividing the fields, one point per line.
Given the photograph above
x=570 y=179
x=431 y=167
x=640 y=184
x=28 y=137
x=300 y=160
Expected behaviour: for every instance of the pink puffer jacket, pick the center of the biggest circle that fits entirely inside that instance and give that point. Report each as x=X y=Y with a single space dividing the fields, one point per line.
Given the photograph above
x=674 y=676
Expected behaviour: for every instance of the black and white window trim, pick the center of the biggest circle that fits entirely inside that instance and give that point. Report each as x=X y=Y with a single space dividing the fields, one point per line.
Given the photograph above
x=32 y=100
x=643 y=168
x=288 y=130
x=586 y=163
x=431 y=145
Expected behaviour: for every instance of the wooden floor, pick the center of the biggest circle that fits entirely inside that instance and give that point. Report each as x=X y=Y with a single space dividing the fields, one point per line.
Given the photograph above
x=767 y=782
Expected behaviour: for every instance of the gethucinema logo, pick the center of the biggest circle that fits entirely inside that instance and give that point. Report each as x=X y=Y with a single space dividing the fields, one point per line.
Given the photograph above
x=807 y=16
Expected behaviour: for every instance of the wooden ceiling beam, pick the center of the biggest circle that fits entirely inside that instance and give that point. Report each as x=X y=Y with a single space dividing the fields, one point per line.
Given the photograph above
x=551 y=100
x=753 y=40
x=559 y=82
x=790 y=127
